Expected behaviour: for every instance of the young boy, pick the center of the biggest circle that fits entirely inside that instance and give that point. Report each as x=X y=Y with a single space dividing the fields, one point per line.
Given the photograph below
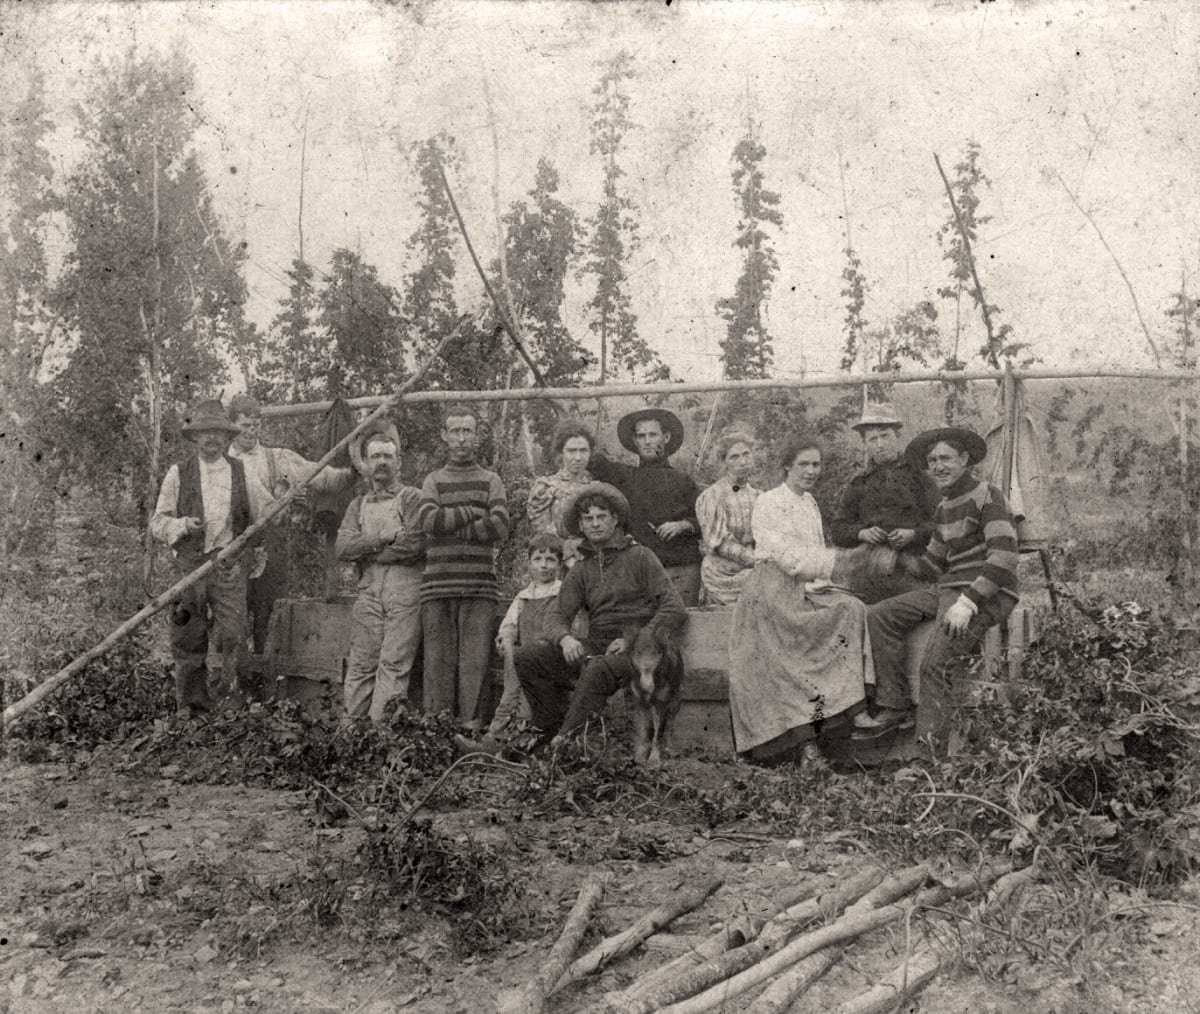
x=523 y=625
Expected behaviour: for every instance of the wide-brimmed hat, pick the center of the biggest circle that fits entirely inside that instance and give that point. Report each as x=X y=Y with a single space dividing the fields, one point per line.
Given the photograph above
x=669 y=421
x=920 y=445
x=358 y=446
x=877 y=414
x=610 y=493
x=208 y=415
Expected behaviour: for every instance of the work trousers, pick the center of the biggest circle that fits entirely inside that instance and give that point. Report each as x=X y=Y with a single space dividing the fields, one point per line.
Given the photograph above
x=269 y=586
x=562 y=696
x=686 y=579
x=512 y=707
x=217 y=603
x=384 y=638
x=458 y=651
x=943 y=667
x=871 y=589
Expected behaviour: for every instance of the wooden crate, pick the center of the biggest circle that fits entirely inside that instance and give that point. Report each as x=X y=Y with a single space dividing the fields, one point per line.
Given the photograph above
x=308 y=643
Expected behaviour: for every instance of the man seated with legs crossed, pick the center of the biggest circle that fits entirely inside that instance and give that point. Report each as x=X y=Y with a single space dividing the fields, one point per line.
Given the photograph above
x=621 y=584
x=973 y=557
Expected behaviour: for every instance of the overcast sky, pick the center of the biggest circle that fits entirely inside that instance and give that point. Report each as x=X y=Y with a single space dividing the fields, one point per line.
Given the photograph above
x=1105 y=94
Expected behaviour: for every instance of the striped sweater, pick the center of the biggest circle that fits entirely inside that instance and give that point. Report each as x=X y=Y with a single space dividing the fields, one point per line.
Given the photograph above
x=464 y=512
x=974 y=547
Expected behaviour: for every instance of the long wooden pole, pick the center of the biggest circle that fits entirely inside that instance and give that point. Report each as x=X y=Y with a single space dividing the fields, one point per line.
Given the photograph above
x=14 y=712
x=815 y=380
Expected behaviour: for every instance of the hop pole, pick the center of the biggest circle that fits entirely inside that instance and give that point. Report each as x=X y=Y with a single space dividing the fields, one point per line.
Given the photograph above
x=14 y=712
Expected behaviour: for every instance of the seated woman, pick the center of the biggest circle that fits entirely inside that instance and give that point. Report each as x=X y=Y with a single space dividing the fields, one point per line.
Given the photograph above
x=573 y=443
x=724 y=511
x=799 y=652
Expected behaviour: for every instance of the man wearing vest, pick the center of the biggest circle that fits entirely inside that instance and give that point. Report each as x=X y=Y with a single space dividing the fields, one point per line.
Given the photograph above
x=382 y=536
x=275 y=470
x=203 y=505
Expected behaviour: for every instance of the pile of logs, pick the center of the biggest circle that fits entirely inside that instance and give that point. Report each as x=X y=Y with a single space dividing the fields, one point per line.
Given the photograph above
x=778 y=956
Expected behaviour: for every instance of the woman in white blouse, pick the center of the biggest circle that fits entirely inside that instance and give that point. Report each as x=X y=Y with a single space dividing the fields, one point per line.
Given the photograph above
x=800 y=656
x=724 y=511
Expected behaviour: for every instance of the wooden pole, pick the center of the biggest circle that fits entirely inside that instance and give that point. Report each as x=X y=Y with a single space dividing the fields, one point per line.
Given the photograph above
x=816 y=380
x=15 y=711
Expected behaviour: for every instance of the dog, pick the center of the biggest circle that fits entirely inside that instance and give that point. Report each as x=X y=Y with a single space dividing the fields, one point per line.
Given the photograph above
x=656 y=691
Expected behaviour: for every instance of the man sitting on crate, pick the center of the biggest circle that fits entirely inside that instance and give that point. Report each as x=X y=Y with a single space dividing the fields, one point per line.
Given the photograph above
x=891 y=504
x=203 y=505
x=973 y=557
x=621 y=585
x=381 y=535
x=276 y=470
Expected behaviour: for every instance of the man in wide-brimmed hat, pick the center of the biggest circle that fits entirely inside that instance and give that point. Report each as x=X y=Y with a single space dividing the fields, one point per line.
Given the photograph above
x=891 y=503
x=622 y=585
x=662 y=500
x=275 y=470
x=972 y=556
x=203 y=505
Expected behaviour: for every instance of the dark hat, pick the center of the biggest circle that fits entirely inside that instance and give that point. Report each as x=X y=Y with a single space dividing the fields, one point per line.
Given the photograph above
x=207 y=415
x=877 y=414
x=358 y=446
x=610 y=493
x=669 y=421
x=920 y=445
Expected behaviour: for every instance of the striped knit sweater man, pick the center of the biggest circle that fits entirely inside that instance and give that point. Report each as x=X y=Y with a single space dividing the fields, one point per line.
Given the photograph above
x=464 y=512
x=973 y=557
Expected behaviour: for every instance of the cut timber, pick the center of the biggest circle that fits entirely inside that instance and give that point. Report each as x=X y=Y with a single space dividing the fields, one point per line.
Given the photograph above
x=780 y=995
x=531 y=998
x=848 y=927
x=906 y=979
x=723 y=966
x=619 y=945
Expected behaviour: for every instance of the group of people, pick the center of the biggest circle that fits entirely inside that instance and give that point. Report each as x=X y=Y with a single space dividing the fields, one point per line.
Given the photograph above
x=818 y=633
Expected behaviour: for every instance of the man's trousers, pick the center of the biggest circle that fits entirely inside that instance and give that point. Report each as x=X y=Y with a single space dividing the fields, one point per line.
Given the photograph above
x=458 y=652
x=562 y=696
x=686 y=579
x=943 y=667
x=217 y=603
x=270 y=585
x=384 y=638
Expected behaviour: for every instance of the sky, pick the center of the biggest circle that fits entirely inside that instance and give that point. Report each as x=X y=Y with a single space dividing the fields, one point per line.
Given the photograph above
x=850 y=100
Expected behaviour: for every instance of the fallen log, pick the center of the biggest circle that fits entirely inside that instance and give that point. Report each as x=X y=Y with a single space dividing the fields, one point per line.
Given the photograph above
x=17 y=710
x=723 y=966
x=913 y=975
x=622 y=943
x=734 y=934
x=848 y=927
x=780 y=995
x=531 y=998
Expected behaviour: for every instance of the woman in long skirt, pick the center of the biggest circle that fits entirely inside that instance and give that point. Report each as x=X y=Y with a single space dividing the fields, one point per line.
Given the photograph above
x=800 y=655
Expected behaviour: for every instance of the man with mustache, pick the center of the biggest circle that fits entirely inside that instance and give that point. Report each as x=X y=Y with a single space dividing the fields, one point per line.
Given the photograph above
x=662 y=500
x=381 y=535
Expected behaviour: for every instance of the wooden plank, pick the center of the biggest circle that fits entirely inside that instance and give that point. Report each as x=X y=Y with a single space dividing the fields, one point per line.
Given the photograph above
x=706 y=685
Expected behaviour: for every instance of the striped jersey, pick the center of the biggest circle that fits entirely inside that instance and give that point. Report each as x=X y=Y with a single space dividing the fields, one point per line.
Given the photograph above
x=464 y=512
x=974 y=546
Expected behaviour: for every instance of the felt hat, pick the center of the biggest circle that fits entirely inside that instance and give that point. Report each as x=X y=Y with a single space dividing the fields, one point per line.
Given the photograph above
x=920 y=445
x=358 y=446
x=669 y=421
x=207 y=415
x=610 y=493
x=877 y=414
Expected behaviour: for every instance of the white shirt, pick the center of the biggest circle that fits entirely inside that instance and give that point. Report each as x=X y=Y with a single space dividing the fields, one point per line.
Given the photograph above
x=787 y=531
x=288 y=466
x=216 y=492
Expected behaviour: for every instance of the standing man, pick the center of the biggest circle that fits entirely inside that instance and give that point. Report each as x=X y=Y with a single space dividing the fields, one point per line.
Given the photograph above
x=662 y=500
x=973 y=557
x=203 y=505
x=464 y=512
x=890 y=504
x=275 y=470
x=382 y=536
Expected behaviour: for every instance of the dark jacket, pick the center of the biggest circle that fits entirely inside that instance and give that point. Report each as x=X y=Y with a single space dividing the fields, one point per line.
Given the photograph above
x=191 y=504
x=656 y=493
x=619 y=586
x=891 y=496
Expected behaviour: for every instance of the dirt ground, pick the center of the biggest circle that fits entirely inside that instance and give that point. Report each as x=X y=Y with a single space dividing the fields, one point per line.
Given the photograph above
x=127 y=891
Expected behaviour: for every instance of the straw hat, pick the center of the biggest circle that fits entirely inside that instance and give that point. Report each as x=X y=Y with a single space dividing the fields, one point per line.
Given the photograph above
x=877 y=414
x=610 y=493
x=207 y=416
x=920 y=445
x=669 y=421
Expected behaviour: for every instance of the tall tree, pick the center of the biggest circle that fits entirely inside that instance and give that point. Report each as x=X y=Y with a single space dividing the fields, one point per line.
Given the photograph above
x=967 y=185
x=152 y=291
x=359 y=316
x=294 y=363
x=614 y=234
x=747 y=351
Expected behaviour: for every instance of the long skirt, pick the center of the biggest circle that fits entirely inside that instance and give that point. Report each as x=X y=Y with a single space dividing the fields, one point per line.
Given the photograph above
x=799 y=656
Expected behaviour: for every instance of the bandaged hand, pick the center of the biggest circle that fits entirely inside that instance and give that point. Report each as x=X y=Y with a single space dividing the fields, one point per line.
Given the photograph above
x=958 y=617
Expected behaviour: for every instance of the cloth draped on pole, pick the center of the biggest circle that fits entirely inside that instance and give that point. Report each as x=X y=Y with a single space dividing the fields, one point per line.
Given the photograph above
x=329 y=507
x=1015 y=465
